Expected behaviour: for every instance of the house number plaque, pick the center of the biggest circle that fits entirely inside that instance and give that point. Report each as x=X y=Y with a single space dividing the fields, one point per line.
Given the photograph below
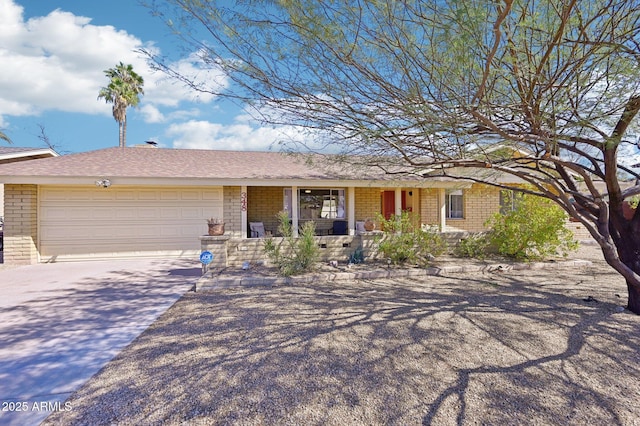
x=243 y=201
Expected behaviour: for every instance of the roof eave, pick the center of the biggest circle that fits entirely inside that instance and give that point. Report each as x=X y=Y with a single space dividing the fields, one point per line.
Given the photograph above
x=168 y=181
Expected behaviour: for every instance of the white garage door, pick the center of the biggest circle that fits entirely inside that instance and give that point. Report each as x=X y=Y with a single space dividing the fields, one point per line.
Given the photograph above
x=91 y=222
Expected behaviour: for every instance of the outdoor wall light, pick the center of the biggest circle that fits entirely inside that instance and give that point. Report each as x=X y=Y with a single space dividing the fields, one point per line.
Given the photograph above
x=104 y=183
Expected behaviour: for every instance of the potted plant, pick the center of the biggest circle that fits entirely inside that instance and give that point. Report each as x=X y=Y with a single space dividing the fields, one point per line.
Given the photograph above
x=369 y=225
x=216 y=226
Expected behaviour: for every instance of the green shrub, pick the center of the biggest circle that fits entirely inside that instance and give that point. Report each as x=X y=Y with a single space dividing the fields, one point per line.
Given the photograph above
x=475 y=246
x=405 y=241
x=293 y=255
x=534 y=230
x=357 y=256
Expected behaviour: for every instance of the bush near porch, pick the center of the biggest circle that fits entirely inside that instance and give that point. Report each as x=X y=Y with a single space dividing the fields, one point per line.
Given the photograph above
x=293 y=255
x=406 y=241
x=534 y=230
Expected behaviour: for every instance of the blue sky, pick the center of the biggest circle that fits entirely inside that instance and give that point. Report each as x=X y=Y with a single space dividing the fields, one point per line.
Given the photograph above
x=53 y=54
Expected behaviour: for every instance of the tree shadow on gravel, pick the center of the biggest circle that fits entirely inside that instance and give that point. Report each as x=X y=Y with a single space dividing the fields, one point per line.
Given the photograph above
x=54 y=339
x=474 y=349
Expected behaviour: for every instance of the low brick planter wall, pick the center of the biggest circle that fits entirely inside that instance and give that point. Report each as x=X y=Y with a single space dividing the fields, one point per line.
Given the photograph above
x=234 y=252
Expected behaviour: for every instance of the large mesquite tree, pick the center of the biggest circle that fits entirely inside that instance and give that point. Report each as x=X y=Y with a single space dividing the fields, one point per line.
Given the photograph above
x=445 y=86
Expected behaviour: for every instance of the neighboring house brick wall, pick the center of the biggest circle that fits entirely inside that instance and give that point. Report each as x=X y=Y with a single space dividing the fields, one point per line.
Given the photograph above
x=232 y=211
x=263 y=205
x=580 y=233
x=20 y=224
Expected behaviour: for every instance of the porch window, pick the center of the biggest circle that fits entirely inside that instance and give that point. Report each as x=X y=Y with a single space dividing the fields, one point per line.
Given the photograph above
x=314 y=203
x=455 y=204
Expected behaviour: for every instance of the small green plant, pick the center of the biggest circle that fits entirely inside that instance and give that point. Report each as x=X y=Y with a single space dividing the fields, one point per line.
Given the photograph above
x=357 y=256
x=535 y=229
x=293 y=255
x=474 y=246
x=404 y=241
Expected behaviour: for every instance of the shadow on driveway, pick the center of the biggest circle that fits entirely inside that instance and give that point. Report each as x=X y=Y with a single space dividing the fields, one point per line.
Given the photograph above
x=60 y=323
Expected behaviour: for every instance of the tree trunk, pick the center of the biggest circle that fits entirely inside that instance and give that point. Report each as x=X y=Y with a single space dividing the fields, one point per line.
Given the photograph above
x=120 y=134
x=123 y=141
x=633 y=302
x=631 y=258
x=627 y=242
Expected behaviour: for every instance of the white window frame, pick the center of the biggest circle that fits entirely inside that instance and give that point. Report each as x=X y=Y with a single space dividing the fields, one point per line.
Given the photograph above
x=451 y=213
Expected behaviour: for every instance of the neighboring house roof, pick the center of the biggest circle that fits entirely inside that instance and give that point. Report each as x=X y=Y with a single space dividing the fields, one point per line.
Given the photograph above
x=157 y=166
x=10 y=154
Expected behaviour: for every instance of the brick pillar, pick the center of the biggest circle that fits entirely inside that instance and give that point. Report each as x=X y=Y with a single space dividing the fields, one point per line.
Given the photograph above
x=233 y=211
x=369 y=242
x=217 y=245
x=20 y=224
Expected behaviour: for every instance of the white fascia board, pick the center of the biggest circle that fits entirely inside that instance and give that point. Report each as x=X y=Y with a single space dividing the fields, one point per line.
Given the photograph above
x=26 y=154
x=150 y=181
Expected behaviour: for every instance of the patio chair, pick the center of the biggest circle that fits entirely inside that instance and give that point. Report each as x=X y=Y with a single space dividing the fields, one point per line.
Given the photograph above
x=257 y=229
x=339 y=227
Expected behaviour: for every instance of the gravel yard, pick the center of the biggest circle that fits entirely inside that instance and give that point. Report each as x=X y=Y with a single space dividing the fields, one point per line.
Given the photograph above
x=540 y=347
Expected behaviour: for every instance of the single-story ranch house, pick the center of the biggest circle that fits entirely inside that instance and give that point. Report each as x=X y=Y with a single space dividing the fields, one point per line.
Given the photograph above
x=147 y=201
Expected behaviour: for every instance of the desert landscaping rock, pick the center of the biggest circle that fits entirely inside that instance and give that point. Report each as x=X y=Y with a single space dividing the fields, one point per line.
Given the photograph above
x=514 y=347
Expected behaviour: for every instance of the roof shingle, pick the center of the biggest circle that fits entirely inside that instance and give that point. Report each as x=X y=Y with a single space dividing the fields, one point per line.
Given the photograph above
x=136 y=162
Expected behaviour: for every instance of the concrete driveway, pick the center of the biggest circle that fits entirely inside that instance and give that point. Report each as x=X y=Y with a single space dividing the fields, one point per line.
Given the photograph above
x=60 y=323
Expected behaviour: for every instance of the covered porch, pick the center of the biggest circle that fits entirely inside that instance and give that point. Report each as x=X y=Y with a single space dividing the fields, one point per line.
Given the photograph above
x=342 y=209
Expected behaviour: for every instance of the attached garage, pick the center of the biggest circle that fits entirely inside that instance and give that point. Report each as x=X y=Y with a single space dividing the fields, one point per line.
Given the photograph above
x=79 y=222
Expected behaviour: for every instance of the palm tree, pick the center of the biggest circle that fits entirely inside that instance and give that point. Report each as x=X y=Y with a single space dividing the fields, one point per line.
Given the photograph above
x=4 y=137
x=124 y=90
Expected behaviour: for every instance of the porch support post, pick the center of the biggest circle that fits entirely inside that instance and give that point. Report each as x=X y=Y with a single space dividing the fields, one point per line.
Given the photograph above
x=351 y=210
x=442 y=209
x=294 y=210
x=243 y=211
x=398 y=201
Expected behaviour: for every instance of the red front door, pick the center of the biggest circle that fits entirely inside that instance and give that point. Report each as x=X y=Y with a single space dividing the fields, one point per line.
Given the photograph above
x=388 y=201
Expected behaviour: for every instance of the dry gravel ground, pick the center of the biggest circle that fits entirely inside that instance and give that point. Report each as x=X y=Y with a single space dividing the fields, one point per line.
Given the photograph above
x=529 y=348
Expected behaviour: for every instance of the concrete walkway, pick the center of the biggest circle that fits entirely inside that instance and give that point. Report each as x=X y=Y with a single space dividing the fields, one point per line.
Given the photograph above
x=60 y=323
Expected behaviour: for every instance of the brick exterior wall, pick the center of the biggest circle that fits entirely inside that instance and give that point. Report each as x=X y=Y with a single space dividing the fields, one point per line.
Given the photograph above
x=331 y=248
x=367 y=203
x=232 y=211
x=263 y=204
x=20 y=224
x=429 y=206
x=580 y=233
x=480 y=202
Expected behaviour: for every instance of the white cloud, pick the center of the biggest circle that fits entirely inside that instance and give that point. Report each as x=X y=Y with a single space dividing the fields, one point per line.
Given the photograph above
x=241 y=137
x=151 y=114
x=56 y=62
x=169 y=92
